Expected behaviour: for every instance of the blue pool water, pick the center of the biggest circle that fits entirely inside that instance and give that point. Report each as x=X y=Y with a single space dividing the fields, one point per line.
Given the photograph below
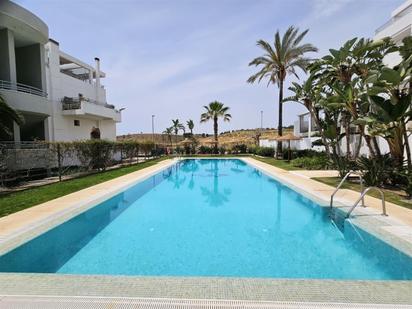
x=209 y=218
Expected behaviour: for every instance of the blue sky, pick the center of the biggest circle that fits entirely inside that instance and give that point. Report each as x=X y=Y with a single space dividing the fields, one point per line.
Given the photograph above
x=169 y=58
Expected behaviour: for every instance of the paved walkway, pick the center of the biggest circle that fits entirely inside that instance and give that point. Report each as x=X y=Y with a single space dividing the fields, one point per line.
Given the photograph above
x=313 y=174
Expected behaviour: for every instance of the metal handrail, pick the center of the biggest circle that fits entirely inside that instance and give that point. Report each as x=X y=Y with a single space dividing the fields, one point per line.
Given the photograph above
x=5 y=84
x=341 y=183
x=362 y=196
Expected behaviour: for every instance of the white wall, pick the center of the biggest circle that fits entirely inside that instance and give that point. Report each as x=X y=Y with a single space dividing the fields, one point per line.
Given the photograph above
x=62 y=126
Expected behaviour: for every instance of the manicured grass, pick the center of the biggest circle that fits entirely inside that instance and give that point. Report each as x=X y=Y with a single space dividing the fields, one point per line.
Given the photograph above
x=283 y=164
x=16 y=201
x=390 y=196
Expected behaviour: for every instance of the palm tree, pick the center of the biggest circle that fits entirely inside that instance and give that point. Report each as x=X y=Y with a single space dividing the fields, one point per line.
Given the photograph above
x=286 y=55
x=8 y=114
x=169 y=132
x=190 y=125
x=177 y=126
x=214 y=111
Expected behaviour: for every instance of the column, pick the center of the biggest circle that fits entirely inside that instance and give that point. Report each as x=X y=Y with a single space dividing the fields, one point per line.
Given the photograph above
x=16 y=132
x=47 y=134
x=7 y=56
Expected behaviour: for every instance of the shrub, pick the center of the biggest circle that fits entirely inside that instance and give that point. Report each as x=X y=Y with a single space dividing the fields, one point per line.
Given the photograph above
x=265 y=151
x=221 y=150
x=205 y=150
x=252 y=149
x=147 y=147
x=94 y=154
x=129 y=149
x=377 y=171
x=312 y=163
x=158 y=151
x=343 y=165
x=239 y=148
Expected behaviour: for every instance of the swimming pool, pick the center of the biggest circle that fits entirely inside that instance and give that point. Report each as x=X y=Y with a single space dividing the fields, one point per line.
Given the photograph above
x=209 y=217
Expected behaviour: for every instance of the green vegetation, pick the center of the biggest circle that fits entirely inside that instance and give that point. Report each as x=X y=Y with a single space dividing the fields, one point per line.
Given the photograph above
x=190 y=125
x=283 y=164
x=177 y=126
x=351 y=90
x=16 y=201
x=311 y=163
x=390 y=195
x=283 y=59
x=214 y=111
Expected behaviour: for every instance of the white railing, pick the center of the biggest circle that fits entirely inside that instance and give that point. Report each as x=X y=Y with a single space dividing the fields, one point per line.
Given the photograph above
x=4 y=84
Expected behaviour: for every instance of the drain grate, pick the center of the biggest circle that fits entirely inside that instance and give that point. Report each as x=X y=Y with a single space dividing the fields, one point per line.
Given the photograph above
x=63 y=302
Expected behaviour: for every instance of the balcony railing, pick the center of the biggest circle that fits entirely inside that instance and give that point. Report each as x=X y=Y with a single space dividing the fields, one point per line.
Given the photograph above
x=76 y=103
x=4 y=84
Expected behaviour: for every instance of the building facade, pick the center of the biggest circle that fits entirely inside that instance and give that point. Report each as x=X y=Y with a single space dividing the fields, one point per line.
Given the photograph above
x=60 y=97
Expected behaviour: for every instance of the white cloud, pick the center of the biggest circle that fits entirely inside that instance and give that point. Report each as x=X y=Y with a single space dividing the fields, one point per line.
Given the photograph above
x=327 y=8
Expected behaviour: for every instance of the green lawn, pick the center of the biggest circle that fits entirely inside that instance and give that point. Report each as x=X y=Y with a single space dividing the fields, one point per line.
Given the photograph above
x=390 y=196
x=283 y=164
x=14 y=202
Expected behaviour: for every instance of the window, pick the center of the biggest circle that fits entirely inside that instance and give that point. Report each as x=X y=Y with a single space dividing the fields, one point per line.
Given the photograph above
x=77 y=123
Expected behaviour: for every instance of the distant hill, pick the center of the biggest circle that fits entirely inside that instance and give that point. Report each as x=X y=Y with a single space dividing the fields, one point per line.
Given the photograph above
x=246 y=136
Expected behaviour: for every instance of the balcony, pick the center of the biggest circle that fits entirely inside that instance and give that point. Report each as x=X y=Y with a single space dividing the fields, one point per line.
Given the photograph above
x=4 y=84
x=87 y=108
x=25 y=98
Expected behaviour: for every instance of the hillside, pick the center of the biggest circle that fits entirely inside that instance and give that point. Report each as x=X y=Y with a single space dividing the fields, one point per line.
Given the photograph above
x=225 y=139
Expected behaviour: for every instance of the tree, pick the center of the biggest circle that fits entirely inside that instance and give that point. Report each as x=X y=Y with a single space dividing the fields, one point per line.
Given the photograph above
x=190 y=125
x=343 y=76
x=308 y=95
x=169 y=132
x=392 y=101
x=8 y=114
x=286 y=55
x=177 y=126
x=214 y=111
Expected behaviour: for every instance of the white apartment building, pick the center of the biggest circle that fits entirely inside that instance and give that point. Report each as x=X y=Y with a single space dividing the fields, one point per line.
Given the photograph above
x=398 y=27
x=60 y=97
x=77 y=98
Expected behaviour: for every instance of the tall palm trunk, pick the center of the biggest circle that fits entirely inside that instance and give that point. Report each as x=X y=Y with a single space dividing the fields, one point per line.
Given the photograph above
x=407 y=148
x=280 y=122
x=215 y=129
x=347 y=136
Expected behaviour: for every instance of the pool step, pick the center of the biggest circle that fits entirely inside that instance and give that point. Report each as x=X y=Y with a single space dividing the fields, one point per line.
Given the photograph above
x=63 y=302
x=337 y=218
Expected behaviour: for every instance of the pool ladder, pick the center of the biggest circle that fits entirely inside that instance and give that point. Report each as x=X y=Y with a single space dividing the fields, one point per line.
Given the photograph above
x=362 y=195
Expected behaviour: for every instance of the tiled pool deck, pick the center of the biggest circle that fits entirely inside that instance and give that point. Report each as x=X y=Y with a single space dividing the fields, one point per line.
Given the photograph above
x=27 y=224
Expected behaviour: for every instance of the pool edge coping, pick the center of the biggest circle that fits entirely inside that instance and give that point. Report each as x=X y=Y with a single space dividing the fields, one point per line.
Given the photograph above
x=217 y=288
